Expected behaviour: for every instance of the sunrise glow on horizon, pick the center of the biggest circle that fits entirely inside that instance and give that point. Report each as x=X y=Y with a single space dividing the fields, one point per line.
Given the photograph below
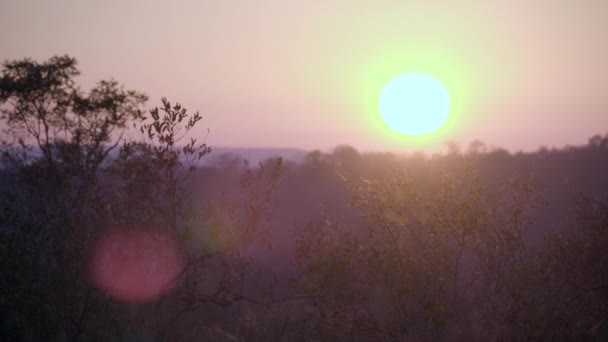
x=309 y=75
x=319 y=170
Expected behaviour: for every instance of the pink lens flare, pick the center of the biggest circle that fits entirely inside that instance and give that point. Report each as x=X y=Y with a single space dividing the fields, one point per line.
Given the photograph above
x=136 y=265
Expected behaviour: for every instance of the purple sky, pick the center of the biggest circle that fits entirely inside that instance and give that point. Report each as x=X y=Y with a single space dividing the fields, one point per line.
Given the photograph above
x=293 y=74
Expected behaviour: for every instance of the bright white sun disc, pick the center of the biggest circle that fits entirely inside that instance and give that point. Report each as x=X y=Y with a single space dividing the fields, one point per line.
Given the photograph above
x=414 y=103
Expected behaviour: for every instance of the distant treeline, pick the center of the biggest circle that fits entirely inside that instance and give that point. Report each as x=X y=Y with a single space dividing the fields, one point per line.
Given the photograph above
x=106 y=238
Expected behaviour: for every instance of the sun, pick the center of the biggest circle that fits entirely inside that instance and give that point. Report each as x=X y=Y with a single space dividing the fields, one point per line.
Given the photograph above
x=414 y=103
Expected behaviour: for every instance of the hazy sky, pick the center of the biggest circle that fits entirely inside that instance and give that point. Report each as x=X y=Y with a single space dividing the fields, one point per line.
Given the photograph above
x=308 y=73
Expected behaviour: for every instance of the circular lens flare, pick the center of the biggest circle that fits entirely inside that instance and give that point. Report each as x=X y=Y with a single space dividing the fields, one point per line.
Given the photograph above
x=135 y=265
x=414 y=103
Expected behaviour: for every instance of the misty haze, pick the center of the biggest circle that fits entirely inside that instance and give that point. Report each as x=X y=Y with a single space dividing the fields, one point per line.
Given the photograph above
x=303 y=171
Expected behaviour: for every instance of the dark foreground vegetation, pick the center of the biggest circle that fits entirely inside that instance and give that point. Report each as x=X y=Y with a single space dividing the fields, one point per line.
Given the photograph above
x=474 y=245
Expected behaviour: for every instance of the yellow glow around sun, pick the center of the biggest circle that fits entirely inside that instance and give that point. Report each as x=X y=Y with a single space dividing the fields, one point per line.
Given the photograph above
x=380 y=67
x=352 y=83
x=414 y=103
